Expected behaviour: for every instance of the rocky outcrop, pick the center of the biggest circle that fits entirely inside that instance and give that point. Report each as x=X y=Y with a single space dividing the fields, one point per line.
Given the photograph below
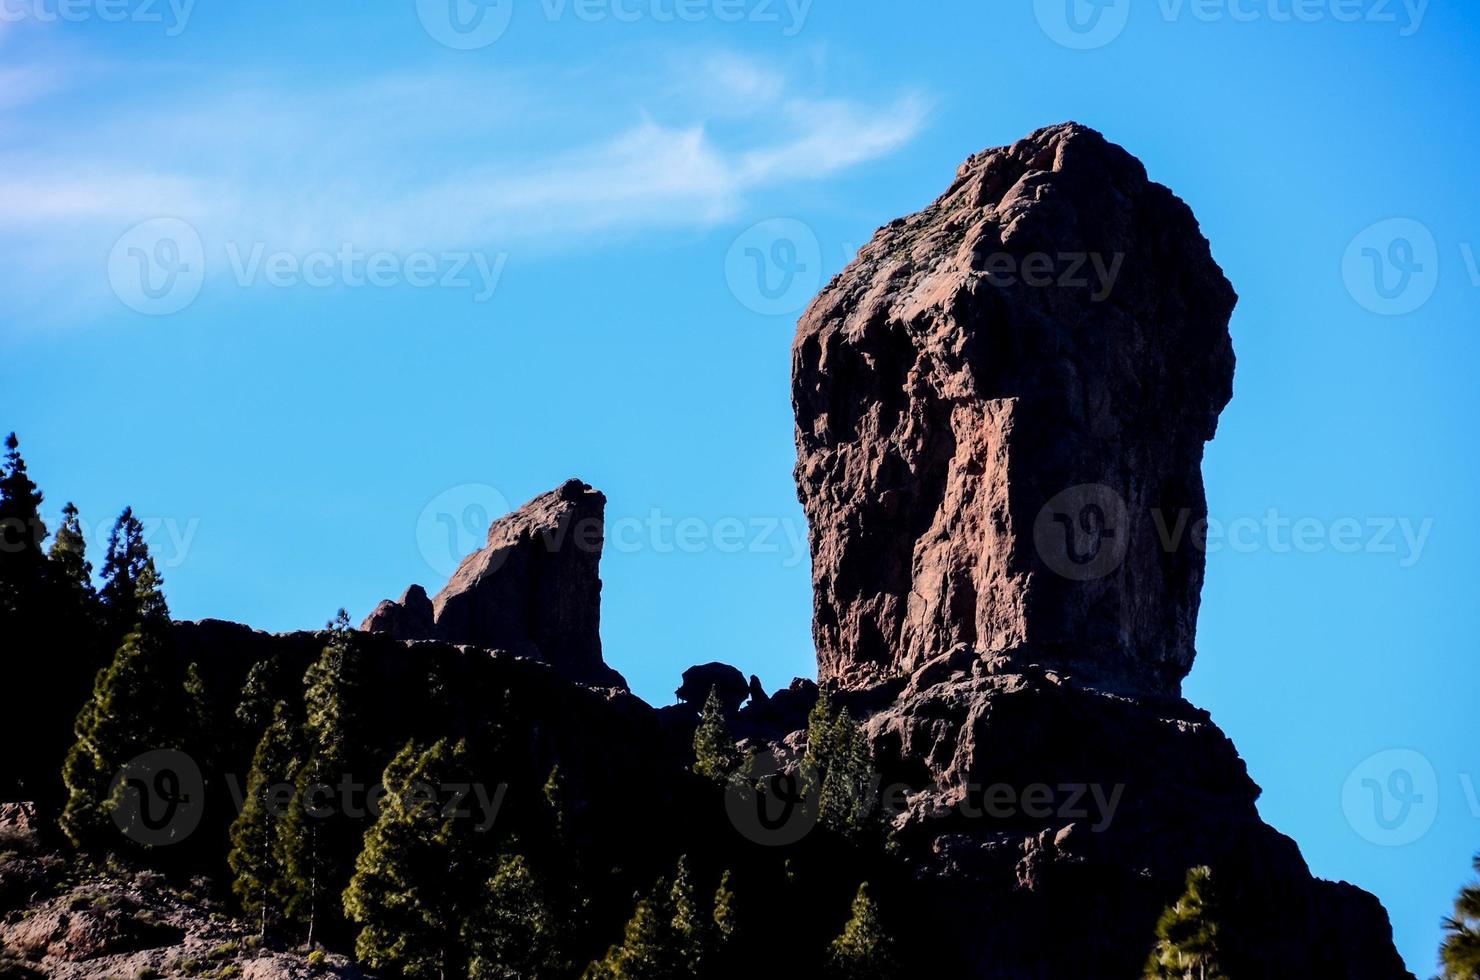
x=1001 y=407
x=533 y=589
x=727 y=682
x=996 y=403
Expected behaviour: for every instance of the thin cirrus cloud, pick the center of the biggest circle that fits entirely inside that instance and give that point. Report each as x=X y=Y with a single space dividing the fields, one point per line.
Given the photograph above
x=416 y=162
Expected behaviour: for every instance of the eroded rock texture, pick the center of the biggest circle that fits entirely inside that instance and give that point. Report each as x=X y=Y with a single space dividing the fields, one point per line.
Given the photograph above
x=533 y=589
x=986 y=446
x=994 y=404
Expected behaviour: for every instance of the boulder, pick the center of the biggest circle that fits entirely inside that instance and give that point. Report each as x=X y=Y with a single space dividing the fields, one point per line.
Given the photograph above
x=1000 y=405
x=533 y=589
x=728 y=682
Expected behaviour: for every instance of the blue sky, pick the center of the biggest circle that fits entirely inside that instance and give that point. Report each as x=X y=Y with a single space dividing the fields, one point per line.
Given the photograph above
x=433 y=281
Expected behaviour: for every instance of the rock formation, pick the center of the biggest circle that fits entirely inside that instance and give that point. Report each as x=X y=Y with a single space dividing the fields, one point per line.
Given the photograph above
x=995 y=404
x=988 y=448
x=533 y=589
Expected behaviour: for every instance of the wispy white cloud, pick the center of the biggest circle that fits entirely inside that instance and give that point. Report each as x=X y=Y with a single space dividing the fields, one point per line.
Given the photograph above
x=423 y=161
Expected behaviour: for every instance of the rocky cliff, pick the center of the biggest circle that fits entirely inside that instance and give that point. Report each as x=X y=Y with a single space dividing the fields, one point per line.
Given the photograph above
x=997 y=404
x=533 y=589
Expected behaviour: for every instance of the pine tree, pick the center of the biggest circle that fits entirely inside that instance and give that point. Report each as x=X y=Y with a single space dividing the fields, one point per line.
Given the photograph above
x=260 y=692
x=313 y=845
x=22 y=561
x=692 y=929
x=256 y=857
x=124 y=564
x=68 y=557
x=514 y=932
x=715 y=755
x=1187 y=934
x=725 y=921
x=419 y=874
x=646 y=951
x=320 y=849
x=1459 y=955
x=863 y=951
x=839 y=769
x=136 y=707
x=670 y=935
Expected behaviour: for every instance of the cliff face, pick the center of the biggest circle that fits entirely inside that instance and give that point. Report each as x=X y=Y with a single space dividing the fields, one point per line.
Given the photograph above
x=1001 y=404
x=533 y=589
x=996 y=402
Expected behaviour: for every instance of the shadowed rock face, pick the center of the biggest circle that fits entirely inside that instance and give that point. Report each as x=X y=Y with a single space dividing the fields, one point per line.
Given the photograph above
x=995 y=404
x=533 y=589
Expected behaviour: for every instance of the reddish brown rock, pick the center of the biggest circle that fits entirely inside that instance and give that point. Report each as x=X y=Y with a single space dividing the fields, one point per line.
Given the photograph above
x=533 y=589
x=994 y=402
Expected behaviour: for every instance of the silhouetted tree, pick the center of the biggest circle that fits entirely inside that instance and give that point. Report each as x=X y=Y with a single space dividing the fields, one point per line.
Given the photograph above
x=1459 y=954
x=256 y=858
x=839 y=766
x=864 y=951
x=22 y=561
x=420 y=873
x=715 y=755
x=68 y=557
x=515 y=932
x=124 y=564
x=136 y=707
x=1187 y=934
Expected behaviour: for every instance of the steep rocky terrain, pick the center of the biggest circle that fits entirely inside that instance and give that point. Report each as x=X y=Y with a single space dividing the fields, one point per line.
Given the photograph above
x=988 y=436
x=1001 y=406
x=533 y=589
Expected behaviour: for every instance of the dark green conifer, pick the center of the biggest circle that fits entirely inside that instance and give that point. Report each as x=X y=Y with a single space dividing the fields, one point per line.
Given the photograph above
x=864 y=950
x=256 y=860
x=1459 y=954
x=137 y=706
x=1187 y=934
x=420 y=873
x=715 y=754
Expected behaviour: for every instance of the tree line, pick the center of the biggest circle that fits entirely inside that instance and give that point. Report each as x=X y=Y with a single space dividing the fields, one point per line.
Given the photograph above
x=418 y=889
